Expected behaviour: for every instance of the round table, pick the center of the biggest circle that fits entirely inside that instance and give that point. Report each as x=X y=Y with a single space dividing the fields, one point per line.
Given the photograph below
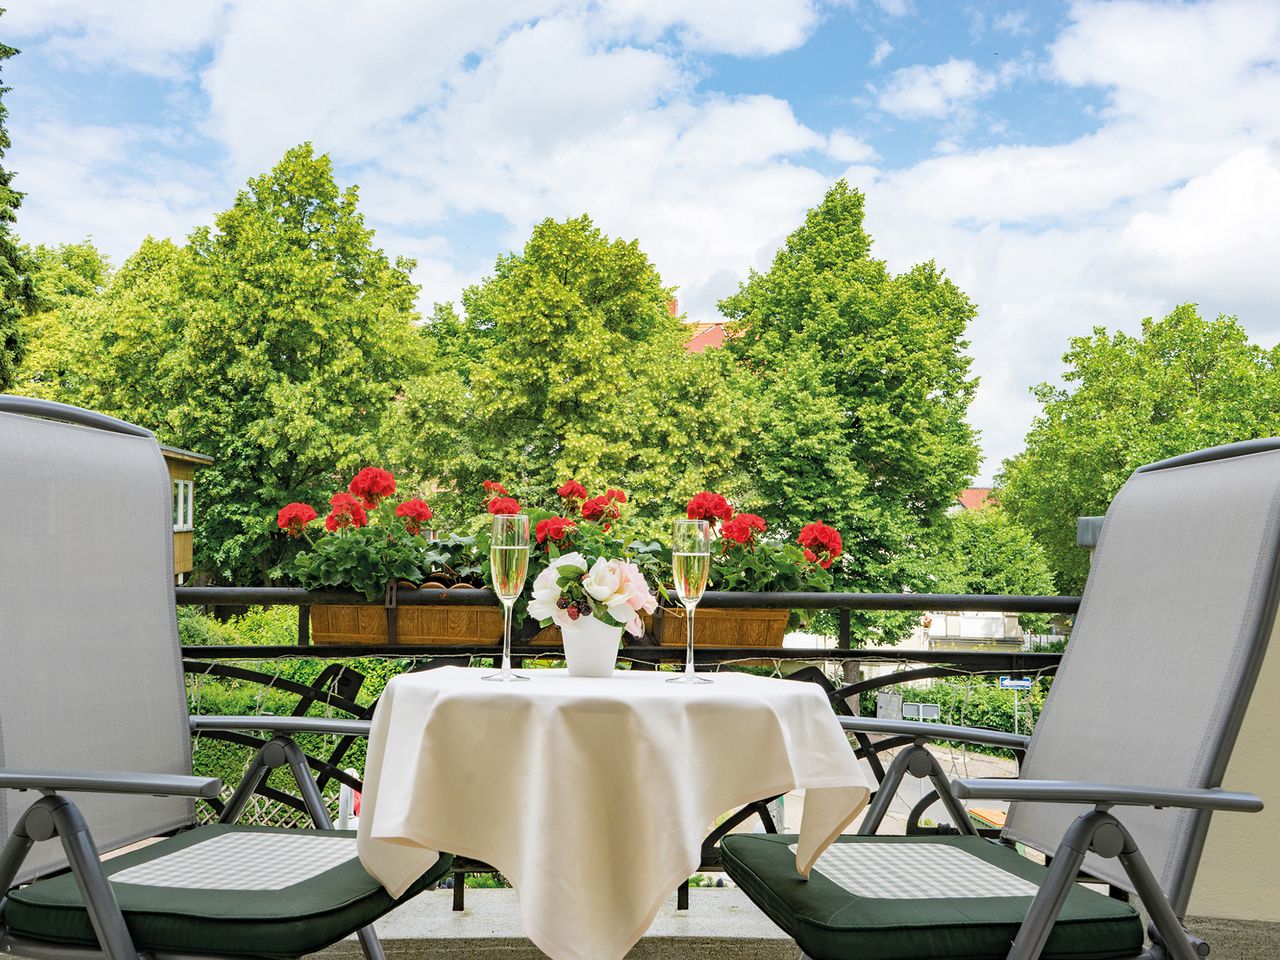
x=592 y=796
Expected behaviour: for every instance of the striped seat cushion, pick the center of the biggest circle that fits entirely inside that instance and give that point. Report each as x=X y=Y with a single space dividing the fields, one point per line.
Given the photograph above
x=919 y=898
x=916 y=871
x=227 y=890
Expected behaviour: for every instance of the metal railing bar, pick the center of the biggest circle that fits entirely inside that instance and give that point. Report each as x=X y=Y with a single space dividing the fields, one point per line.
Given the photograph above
x=924 y=602
x=972 y=660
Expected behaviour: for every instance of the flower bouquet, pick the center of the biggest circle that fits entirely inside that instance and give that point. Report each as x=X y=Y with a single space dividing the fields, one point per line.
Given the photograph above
x=592 y=601
x=591 y=527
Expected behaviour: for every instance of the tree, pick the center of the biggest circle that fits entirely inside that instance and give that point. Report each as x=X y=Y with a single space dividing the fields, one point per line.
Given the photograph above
x=62 y=351
x=1185 y=383
x=274 y=343
x=15 y=280
x=861 y=389
x=569 y=365
x=988 y=552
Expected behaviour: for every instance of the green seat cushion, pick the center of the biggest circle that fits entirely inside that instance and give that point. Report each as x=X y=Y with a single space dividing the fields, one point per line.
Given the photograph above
x=253 y=891
x=919 y=898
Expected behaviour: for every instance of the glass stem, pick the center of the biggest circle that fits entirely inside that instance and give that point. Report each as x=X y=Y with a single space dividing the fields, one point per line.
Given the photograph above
x=688 y=659
x=506 y=635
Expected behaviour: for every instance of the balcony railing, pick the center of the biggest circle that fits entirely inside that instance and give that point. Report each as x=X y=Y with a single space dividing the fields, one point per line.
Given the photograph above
x=644 y=651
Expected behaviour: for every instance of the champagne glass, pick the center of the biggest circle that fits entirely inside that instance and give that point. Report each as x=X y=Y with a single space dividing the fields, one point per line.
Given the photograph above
x=508 y=565
x=690 y=564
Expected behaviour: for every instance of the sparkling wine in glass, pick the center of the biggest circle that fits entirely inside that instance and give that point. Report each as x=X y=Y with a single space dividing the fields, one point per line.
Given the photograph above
x=508 y=565
x=690 y=566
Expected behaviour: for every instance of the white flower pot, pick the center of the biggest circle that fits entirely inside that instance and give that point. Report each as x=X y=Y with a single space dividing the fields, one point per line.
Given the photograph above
x=591 y=647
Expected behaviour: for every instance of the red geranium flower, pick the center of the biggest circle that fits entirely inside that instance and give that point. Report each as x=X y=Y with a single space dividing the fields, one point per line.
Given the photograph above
x=415 y=513
x=601 y=508
x=293 y=517
x=493 y=488
x=615 y=495
x=371 y=485
x=504 y=505
x=555 y=528
x=743 y=528
x=822 y=544
x=709 y=506
x=345 y=511
x=572 y=490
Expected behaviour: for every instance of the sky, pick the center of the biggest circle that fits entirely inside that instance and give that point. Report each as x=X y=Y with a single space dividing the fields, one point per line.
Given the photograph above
x=1069 y=165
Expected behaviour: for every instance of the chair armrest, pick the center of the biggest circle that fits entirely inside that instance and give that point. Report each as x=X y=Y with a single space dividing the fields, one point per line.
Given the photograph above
x=111 y=781
x=1107 y=794
x=936 y=731
x=350 y=728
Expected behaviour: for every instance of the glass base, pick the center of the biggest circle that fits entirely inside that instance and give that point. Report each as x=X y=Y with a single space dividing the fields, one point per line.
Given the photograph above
x=690 y=678
x=505 y=676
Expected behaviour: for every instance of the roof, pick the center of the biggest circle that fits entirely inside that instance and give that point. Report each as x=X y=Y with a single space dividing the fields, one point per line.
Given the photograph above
x=975 y=498
x=185 y=456
x=705 y=335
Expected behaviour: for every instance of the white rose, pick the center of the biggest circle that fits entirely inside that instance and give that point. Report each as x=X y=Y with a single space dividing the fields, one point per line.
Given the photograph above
x=605 y=580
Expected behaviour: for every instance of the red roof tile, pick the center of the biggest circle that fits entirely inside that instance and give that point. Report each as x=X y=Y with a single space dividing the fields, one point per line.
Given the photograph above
x=706 y=335
x=975 y=498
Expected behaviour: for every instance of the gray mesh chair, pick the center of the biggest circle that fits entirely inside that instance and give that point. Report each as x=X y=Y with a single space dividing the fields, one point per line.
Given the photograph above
x=92 y=706
x=1121 y=775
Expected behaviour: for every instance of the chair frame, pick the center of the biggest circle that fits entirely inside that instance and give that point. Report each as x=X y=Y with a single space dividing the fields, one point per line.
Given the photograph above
x=1100 y=831
x=54 y=815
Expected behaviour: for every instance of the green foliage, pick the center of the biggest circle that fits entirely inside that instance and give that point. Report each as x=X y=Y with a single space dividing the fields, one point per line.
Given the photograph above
x=1185 y=383
x=267 y=626
x=16 y=293
x=860 y=389
x=258 y=627
x=988 y=552
x=62 y=351
x=972 y=702
x=568 y=365
x=764 y=566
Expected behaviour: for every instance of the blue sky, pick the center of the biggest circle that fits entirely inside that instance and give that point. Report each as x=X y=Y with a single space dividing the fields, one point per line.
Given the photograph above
x=1069 y=164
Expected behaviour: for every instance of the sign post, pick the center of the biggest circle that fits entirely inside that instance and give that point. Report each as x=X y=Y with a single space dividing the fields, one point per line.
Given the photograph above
x=1016 y=684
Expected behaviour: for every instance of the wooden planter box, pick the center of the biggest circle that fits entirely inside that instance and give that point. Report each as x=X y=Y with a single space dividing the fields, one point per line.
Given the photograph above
x=721 y=627
x=436 y=625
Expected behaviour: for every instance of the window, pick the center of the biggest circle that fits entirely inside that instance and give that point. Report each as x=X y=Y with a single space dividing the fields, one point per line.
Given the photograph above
x=183 y=505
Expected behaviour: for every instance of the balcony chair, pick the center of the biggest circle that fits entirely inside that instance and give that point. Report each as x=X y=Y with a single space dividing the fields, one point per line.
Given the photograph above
x=95 y=737
x=1120 y=777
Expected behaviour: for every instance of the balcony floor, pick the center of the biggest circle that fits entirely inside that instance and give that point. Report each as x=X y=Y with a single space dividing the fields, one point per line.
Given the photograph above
x=720 y=924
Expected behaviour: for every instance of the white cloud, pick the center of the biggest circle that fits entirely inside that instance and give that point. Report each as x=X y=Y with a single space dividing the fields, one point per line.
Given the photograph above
x=1217 y=237
x=847 y=148
x=1015 y=23
x=116 y=184
x=896 y=8
x=751 y=27
x=935 y=91
x=881 y=52
x=145 y=36
x=334 y=73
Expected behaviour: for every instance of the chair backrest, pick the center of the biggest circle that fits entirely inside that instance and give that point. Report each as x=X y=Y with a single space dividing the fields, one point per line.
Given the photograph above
x=1175 y=621
x=90 y=668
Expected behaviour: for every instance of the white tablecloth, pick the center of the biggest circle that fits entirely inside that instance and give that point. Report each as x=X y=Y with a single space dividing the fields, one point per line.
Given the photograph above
x=592 y=796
